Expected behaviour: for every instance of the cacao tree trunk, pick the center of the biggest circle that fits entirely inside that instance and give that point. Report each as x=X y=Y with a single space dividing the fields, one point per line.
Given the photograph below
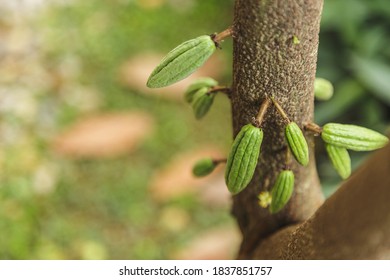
x=269 y=61
x=275 y=53
x=354 y=223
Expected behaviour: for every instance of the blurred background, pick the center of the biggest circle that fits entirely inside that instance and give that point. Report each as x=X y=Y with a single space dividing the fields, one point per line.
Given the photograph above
x=93 y=165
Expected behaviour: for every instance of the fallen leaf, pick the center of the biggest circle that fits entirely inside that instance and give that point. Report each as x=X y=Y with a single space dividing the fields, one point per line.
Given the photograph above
x=106 y=135
x=176 y=178
x=135 y=72
x=215 y=244
x=215 y=193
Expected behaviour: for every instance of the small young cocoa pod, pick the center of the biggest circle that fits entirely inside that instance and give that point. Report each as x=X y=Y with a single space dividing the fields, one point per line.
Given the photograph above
x=202 y=102
x=242 y=160
x=281 y=191
x=197 y=85
x=323 y=89
x=297 y=143
x=203 y=167
x=353 y=137
x=182 y=61
x=340 y=159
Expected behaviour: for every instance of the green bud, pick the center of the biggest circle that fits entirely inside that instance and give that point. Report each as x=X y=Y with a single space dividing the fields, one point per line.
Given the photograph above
x=323 y=89
x=296 y=40
x=198 y=84
x=265 y=199
x=202 y=102
x=203 y=167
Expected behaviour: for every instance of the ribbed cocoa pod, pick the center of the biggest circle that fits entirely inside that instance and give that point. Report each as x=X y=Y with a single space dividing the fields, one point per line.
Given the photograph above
x=242 y=160
x=353 y=137
x=340 y=159
x=297 y=143
x=182 y=61
x=281 y=191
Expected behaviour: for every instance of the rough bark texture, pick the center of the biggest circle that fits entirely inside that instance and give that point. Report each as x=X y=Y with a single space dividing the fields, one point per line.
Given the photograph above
x=268 y=63
x=354 y=223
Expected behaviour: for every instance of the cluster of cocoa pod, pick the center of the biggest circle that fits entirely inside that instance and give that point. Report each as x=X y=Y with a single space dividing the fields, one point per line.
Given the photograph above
x=243 y=157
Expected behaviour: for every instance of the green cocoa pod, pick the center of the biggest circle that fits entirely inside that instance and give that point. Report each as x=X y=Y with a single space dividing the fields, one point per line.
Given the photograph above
x=340 y=160
x=281 y=191
x=182 y=61
x=297 y=143
x=203 y=167
x=202 y=102
x=242 y=160
x=197 y=85
x=353 y=137
x=323 y=89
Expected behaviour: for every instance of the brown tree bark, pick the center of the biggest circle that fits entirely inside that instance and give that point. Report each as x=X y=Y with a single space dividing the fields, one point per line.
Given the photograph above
x=354 y=223
x=267 y=62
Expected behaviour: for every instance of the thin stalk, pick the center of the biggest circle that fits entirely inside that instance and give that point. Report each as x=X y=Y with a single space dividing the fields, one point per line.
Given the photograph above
x=217 y=38
x=219 y=161
x=315 y=128
x=280 y=110
x=223 y=89
x=263 y=109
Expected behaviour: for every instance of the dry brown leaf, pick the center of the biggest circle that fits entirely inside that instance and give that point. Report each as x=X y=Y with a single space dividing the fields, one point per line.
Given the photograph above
x=135 y=72
x=176 y=178
x=215 y=192
x=106 y=135
x=215 y=244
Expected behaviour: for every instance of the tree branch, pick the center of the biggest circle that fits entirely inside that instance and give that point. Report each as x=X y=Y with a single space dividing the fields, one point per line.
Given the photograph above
x=268 y=63
x=354 y=223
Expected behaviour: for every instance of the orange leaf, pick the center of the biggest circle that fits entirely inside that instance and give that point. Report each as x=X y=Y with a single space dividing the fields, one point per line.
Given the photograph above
x=106 y=135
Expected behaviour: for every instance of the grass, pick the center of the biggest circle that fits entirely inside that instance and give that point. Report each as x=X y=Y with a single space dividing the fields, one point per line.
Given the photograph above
x=102 y=208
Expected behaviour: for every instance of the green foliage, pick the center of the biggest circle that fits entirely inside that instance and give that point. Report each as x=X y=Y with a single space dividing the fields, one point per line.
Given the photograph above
x=353 y=55
x=374 y=75
x=106 y=202
x=102 y=208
